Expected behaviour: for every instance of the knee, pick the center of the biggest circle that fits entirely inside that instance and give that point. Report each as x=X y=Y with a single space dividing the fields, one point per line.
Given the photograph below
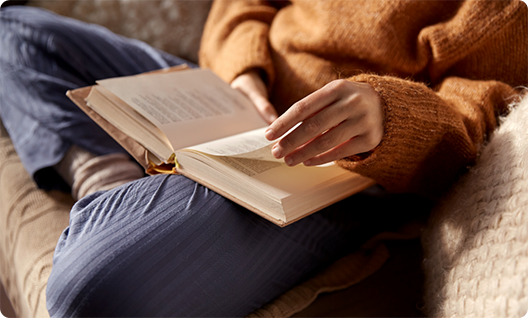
x=28 y=16
x=15 y=19
x=79 y=263
x=93 y=260
x=128 y=251
x=115 y=245
x=68 y=287
x=23 y=27
x=23 y=32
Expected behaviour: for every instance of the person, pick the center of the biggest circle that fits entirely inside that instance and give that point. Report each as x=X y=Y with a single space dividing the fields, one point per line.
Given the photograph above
x=414 y=86
x=404 y=92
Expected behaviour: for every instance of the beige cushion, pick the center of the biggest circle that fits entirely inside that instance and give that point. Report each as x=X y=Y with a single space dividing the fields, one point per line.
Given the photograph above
x=31 y=221
x=172 y=26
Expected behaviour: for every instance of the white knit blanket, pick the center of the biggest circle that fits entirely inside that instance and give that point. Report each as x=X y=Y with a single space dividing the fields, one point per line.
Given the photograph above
x=476 y=244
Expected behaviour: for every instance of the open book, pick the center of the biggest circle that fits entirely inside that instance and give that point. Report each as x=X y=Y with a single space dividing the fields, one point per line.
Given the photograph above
x=191 y=122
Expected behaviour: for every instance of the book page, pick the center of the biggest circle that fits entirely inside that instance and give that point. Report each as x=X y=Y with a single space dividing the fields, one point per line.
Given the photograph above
x=249 y=167
x=126 y=121
x=250 y=145
x=127 y=115
x=272 y=174
x=190 y=107
x=288 y=179
x=271 y=188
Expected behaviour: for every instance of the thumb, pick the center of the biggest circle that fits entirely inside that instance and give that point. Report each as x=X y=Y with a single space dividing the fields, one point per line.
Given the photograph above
x=251 y=85
x=264 y=107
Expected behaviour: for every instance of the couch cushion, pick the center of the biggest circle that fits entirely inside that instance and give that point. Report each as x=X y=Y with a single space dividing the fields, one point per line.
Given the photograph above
x=31 y=221
x=173 y=26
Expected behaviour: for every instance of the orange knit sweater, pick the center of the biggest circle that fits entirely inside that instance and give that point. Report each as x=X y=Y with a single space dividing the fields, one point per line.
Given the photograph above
x=444 y=71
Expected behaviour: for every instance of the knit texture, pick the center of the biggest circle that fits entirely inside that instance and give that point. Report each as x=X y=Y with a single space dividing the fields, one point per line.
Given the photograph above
x=172 y=26
x=410 y=147
x=31 y=221
x=104 y=173
x=74 y=158
x=476 y=244
x=467 y=56
x=86 y=173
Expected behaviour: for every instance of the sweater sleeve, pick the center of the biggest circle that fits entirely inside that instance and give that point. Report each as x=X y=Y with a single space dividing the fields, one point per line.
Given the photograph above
x=235 y=38
x=430 y=138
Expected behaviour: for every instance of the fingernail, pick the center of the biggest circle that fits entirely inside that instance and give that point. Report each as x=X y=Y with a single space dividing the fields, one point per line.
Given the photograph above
x=272 y=117
x=276 y=151
x=288 y=160
x=308 y=162
x=269 y=134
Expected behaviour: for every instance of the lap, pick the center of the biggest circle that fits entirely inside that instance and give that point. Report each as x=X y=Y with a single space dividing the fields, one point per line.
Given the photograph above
x=167 y=246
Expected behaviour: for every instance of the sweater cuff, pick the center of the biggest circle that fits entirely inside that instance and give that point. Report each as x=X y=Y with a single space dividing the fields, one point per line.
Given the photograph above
x=423 y=149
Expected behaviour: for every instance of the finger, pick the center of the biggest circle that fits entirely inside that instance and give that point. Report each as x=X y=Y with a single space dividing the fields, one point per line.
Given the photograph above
x=312 y=127
x=303 y=109
x=251 y=85
x=354 y=146
x=323 y=143
x=261 y=103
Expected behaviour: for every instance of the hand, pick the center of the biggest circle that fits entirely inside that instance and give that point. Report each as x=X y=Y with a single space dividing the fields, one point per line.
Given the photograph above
x=251 y=84
x=339 y=120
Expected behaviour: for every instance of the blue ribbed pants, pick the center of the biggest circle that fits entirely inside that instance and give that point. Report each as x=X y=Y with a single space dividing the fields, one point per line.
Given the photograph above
x=161 y=246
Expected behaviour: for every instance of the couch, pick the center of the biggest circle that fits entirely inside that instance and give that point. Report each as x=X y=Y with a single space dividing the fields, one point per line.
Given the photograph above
x=473 y=252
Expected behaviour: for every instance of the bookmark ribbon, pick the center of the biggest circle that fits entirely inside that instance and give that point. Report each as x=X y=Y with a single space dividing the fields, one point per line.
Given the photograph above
x=165 y=168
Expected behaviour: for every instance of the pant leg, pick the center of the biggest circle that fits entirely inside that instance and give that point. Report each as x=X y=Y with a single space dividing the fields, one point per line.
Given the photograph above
x=165 y=246
x=43 y=55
